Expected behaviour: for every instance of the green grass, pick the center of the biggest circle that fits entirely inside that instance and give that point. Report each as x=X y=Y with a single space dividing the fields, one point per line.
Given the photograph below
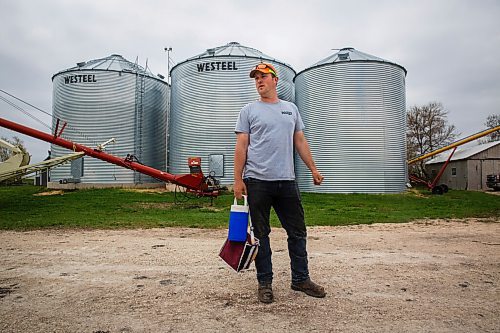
x=344 y=209
x=22 y=209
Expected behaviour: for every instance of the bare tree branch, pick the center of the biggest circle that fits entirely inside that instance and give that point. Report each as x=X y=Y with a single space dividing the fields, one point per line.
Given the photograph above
x=492 y=120
x=427 y=130
x=5 y=153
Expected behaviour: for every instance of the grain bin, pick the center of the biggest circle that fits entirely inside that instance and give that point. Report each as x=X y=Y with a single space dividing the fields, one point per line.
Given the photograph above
x=353 y=107
x=208 y=91
x=111 y=98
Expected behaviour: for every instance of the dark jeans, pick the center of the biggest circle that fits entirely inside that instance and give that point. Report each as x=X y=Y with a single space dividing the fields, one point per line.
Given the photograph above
x=284 y=197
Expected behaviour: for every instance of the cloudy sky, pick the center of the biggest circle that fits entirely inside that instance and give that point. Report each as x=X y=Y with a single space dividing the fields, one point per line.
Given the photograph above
x=450 y=48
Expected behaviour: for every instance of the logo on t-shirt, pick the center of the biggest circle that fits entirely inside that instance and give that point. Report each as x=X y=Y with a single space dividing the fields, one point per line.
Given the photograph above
x=286 y=112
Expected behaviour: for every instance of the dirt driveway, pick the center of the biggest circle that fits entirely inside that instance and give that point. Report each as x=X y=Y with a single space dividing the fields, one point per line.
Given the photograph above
x=426 y=276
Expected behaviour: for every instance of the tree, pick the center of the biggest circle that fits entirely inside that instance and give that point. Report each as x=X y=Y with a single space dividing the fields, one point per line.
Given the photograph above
x=493 y=120
x=6 y=153
x=427 y=130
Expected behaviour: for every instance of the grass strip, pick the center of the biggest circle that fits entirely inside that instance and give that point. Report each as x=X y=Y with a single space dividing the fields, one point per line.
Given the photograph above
x=29 y=207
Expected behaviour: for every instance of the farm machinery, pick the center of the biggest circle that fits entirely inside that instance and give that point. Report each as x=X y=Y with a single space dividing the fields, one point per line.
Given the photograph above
x=195 y=182
x=433 y=185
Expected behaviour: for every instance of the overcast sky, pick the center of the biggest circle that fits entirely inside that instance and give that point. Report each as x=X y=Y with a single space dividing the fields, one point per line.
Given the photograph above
x=450 y=48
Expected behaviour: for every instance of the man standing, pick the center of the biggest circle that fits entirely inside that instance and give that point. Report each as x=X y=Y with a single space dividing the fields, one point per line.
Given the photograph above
x=267 y=132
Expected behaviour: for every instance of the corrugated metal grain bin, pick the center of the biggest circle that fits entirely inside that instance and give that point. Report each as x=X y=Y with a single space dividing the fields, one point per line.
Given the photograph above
x=353 y=105
x=208 y=91
x=111 y=98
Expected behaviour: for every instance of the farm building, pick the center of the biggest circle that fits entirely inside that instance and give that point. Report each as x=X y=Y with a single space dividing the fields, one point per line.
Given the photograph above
x=468 y=167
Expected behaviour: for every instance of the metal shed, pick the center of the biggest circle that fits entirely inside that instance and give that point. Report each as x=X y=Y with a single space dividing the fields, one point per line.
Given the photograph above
x=468 y=166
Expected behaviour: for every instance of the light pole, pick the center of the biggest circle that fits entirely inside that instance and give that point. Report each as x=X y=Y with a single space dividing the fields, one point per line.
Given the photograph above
x=168 y=50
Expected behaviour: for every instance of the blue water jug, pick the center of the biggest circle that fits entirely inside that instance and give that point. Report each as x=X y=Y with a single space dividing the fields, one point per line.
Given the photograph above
x=238 y=221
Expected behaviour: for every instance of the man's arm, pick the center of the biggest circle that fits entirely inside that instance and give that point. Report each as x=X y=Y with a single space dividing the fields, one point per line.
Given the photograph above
x=302 y=147
x=240 y=157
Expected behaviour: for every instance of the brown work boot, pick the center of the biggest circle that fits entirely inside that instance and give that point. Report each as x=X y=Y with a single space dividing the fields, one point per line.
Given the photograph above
x=310 y=288
x=266 y=292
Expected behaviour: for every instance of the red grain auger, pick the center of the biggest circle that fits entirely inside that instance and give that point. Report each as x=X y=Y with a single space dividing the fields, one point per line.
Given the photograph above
x=195 y=182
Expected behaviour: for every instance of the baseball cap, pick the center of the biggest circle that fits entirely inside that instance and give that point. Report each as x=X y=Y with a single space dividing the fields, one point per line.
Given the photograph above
x=264 y=68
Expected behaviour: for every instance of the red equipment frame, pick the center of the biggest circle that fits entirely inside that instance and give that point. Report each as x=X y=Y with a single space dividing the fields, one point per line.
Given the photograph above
x=432 y=185
x=194 y=182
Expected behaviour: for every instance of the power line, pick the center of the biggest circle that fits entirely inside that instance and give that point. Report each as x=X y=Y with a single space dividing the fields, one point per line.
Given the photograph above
x=77 y=131
x=24 y=111
x=26 y=103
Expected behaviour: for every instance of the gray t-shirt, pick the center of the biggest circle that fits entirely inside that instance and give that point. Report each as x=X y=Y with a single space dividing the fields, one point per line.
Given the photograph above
x=270 y=150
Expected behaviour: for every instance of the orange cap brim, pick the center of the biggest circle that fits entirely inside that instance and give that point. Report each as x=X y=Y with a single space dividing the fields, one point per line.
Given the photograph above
x=262 y=70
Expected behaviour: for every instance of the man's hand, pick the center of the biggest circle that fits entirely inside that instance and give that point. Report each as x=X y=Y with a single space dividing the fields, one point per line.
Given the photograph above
x=317 y=177
x=239 y=189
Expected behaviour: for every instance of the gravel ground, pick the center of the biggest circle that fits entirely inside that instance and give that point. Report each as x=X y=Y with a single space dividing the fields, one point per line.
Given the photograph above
x=425 y=276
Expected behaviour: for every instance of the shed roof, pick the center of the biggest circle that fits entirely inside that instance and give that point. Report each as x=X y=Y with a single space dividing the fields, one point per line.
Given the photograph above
x=462 y=153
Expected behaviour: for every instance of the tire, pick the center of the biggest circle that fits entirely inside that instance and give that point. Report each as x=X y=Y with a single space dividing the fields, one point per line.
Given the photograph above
x=437 y=190
x=444 y=187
